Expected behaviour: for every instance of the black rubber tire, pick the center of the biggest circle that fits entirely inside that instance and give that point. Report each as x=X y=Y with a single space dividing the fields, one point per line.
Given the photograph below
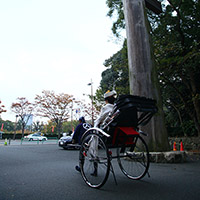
x=89 y=161
x=134 y=160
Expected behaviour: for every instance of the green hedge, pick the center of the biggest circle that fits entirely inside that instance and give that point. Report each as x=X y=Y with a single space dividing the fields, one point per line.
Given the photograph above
x=11 y=135
x=19 y=135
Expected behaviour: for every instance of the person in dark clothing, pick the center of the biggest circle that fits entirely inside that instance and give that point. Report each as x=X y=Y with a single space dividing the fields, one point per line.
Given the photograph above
x=80 y=130
x=78 y=133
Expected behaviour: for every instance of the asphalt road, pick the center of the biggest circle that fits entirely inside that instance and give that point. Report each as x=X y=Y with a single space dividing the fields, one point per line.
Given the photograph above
x=34 y=172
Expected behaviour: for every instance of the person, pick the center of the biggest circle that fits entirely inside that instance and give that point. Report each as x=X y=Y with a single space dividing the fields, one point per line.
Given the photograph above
x=80 y=130
x=109 y=97
x=78 y=133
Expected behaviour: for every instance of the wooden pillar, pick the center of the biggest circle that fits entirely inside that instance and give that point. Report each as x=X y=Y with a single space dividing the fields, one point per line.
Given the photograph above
x=139 y=52
x=142 y=75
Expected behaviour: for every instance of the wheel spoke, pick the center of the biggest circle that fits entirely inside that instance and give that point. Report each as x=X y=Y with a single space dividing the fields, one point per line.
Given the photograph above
x=94 y=161
x=134 y=162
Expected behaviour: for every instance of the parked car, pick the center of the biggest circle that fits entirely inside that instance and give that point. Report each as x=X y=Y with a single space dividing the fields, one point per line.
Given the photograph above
x=35 y=136
x=66 y=142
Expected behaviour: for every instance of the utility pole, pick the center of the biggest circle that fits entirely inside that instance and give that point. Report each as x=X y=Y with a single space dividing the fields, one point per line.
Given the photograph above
x=92 y=115
x=72 y=114
x=142 y=74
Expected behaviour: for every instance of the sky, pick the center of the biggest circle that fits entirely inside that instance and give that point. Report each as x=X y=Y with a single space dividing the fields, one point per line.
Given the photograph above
x=57 y=45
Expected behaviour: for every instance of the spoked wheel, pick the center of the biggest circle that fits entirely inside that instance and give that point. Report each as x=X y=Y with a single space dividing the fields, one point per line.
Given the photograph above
x=94 y=160
x=134 y=160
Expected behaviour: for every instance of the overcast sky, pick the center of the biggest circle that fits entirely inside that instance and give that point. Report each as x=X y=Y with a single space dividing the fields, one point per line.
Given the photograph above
x=57 y=45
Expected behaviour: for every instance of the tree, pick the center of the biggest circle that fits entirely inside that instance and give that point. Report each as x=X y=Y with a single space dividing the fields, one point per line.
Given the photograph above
x=67 y=126
x=2 y=108
x=176 y=42
x=48 y=127
x=116 y=11
x=55 y=107
x=8 y=125
x=175 y=37
x=86 y=108
x=37 y=126
x=115 y=77
x=142 y=74
x=23 y=108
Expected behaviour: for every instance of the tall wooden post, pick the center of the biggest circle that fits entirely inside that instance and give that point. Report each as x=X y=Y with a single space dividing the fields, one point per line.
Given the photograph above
x=142 y=73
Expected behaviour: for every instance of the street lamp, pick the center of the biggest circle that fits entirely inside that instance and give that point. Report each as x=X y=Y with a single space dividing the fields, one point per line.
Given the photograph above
x=91 y=84
x=72 y=115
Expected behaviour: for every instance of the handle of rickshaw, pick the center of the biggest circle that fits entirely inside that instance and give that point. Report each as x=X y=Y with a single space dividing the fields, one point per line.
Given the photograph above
x=100 y=130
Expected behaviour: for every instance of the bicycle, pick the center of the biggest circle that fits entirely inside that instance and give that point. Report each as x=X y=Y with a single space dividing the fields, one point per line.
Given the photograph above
x=119 y=131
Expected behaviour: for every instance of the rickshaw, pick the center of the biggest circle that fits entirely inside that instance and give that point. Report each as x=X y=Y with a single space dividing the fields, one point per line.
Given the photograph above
x=119 y=131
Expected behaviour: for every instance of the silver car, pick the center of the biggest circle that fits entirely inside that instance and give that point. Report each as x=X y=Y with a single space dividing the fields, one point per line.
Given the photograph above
x=35 y=136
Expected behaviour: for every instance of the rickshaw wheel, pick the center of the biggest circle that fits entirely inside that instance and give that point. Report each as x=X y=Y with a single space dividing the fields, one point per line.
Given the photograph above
x=94 y=160
x=134 y=160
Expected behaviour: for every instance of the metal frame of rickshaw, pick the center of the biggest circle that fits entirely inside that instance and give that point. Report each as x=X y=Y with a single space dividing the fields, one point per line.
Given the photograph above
x=132 y=151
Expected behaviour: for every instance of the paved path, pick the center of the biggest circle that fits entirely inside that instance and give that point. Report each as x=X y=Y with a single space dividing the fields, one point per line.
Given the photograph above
x=44 y=172
x=26 y=142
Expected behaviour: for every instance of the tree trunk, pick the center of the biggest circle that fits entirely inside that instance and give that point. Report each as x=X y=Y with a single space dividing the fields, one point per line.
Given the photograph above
x=196 y=102
x=23 y=128
x=142 y=74
x=59 y=125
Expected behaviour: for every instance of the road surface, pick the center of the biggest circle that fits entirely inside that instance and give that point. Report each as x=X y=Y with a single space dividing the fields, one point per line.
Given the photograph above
x=47 y=171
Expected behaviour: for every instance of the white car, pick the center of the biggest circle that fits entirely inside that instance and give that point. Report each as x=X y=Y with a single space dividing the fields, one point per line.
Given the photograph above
x=66 y=142
x=35 y=136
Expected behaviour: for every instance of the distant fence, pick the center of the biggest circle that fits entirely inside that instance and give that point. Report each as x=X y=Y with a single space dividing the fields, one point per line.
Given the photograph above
x=19 y=136
x=49 y=140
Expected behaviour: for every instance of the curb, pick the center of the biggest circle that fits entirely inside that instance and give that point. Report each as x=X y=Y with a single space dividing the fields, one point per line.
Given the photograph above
x=173 y=157
x=168 y=157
